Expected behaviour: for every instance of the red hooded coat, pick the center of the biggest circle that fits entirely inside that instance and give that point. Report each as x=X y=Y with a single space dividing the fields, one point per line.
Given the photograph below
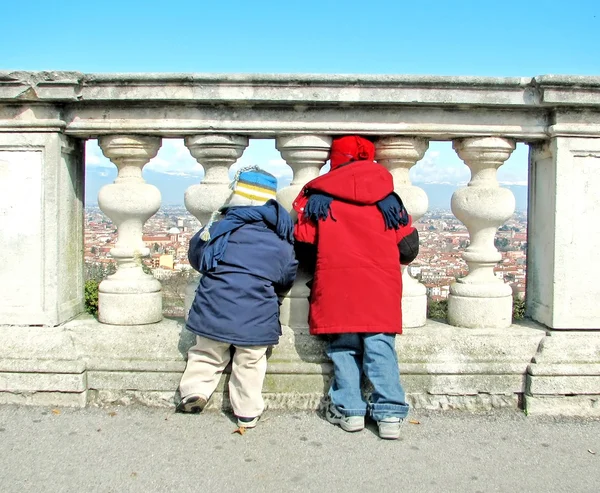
x=357 y=282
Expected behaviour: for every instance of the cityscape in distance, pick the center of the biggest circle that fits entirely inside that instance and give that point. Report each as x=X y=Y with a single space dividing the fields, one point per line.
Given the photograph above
x=443 y=238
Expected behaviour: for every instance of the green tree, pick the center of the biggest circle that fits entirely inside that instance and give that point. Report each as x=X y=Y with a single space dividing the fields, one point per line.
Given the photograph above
x=91 y=296
x=174 y=288
x=518 y=309
x=437 y=309
x=502 y=244
x=98 y=270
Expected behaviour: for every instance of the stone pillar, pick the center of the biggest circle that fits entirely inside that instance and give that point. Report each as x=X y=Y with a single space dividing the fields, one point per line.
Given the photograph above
x=481 y=299
x=41 y=220
x=129 y=296
x=564 y=232
x=399 y=154
x=216 y=153
x=306 y=155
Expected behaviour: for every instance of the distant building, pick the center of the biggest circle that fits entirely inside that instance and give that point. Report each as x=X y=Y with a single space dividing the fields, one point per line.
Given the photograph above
x=166 y=261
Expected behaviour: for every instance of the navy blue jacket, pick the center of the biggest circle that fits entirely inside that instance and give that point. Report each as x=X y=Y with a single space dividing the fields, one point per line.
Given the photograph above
x=246 y=263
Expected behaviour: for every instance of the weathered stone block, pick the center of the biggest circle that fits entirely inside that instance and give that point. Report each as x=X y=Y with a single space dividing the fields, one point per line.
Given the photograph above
x=45 y=382
x=465 y=384
x=561 y=385
x=35 y=349
x=55 y=399
x=47 y=289
x=476 y=402
x=127 y=380
x=130 y=397
x=563 y=405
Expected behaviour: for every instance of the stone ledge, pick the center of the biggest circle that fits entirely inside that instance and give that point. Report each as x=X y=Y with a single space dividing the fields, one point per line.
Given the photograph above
x=564 y=377
x=464 y=384
x=441 y=366
x=64 y=399
x=564 y=369
x=568 y=348
x=44 y=382
x=311 y=401
x=559 y=385
x=563 y=405
x=475 y=402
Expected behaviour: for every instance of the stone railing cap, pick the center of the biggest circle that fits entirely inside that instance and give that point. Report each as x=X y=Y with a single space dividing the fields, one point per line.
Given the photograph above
x=26 y=77
x=300 y=89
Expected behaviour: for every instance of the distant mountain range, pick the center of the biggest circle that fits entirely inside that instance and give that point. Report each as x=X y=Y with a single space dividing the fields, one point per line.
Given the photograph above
x=440 y=194
x=173 y=186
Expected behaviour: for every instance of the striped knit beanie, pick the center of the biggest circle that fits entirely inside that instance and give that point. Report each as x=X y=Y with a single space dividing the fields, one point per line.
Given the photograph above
x=251 y=186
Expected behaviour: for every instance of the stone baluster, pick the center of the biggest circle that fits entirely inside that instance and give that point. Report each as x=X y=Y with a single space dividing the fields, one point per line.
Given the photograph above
x=216 y=153
x=399 y=154
x=130 y=296
x=481 y=299
x=306 y=155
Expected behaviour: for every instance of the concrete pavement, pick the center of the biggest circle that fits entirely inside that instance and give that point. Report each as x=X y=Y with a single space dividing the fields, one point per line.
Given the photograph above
x=135 y=449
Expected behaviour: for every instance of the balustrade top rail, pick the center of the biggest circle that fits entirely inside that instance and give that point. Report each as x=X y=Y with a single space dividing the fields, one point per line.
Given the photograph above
x=266 y=105
x=297 y=88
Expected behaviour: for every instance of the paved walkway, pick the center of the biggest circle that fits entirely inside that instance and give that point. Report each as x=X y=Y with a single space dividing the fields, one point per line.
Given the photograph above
x=132 y=449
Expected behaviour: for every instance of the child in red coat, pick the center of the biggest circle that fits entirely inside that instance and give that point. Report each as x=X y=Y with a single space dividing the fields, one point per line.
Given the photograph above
x=355 y=232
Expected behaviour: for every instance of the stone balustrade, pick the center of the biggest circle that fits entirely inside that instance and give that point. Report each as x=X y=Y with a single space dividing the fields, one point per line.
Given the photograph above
x=51 y=353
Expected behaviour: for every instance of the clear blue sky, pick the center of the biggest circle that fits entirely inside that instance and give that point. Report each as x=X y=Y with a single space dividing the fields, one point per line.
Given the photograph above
x=505 y=38
x=493 y=38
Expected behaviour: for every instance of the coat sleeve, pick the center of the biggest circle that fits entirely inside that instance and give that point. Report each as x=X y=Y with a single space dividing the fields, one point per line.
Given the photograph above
x=288 y=272
x=306 y=253
x=407 y=238
x=195 y=251
x=305 y=230
x=305 y=233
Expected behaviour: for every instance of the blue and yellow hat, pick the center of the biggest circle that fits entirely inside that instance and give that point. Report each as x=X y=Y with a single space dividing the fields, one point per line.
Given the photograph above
x=251 y=186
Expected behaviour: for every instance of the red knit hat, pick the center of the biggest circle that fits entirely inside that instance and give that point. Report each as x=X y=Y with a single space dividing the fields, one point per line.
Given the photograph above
x=351 y=148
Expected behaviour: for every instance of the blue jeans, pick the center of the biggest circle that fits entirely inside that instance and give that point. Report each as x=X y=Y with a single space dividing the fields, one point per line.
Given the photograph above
x=375 y=355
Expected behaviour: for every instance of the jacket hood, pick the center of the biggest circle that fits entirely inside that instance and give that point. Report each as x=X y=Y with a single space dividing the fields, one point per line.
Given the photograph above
x=271 y=213
x=360 y=182
x=350 y=148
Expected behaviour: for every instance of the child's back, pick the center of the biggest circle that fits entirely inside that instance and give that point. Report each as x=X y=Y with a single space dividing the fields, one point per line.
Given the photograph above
x=236 y=301
x=246 y=258
x=360 y=232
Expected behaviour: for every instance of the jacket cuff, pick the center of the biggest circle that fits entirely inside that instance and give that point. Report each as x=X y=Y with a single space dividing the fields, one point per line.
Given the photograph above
x=409 y=247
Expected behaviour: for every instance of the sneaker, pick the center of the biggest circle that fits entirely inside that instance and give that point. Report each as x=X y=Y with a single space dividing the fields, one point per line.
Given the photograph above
x=347 y=423
x=247 y=422
x=389 y=428
x=193 y=403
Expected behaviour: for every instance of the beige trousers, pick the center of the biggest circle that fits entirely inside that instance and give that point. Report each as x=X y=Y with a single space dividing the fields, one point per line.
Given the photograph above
x=207 y=360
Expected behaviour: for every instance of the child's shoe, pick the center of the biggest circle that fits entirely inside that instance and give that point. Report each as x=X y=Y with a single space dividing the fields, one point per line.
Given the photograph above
x=247 y=422
x=193 y=403
x=389 y=428
x=347 y=423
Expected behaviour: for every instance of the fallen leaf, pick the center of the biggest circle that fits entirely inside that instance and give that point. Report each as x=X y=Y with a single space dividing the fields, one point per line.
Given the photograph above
x=591 y=451
x=414 y=422
x=55 y=411
x=241 y=430
x=112 y=413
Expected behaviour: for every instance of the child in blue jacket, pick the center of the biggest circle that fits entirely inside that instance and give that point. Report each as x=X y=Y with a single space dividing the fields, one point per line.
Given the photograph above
x=246 y=259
